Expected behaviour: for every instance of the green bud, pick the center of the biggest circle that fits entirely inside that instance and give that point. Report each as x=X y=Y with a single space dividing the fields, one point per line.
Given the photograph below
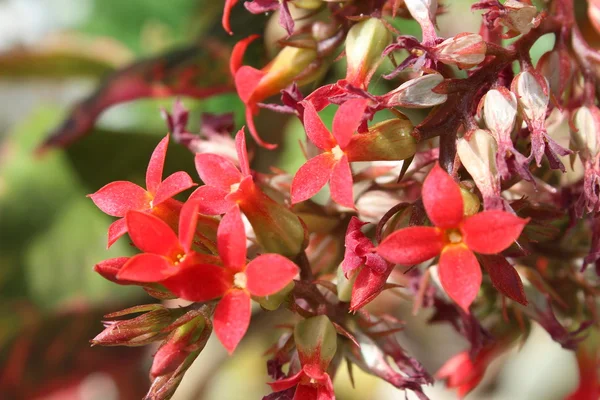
x=389 y=140
x=365 y=43
x=272 y=302
x=316 y=340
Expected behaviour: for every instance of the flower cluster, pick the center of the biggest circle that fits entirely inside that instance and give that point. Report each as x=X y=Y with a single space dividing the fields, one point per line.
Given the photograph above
x=415 y=205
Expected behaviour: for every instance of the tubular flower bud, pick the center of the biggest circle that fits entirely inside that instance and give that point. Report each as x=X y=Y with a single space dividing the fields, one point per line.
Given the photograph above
x=416 y=93
x=292 y=64
x=477 y=154
x=464 y=50
x=584 y=136
x=138 y=331
x=556 y=65
x=365 y=42
x=388 y=140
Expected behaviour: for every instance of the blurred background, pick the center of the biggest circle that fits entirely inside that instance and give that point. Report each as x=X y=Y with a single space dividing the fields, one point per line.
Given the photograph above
x=53 y=53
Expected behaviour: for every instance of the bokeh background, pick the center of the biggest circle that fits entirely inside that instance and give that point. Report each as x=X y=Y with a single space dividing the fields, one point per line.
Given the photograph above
x=54 y=53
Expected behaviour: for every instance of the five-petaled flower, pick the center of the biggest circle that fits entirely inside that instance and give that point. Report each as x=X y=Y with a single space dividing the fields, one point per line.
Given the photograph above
x=117 y=198
x=454 y=237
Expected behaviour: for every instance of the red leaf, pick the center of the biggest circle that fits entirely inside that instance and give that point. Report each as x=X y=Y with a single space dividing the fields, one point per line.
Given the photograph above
x=442 y=199
x=237 y=54
x=490 y=232
x=311 y=177
x=199 y=282
x=154 y=172
x=217 y=171
x=504 y=278
x=116 y=230
x=412 y=245
x=150 y=234
x=315 y=130
x=341 y=183
x=173 y=185
x=269 y=273
x=242 y=152
x=460 y=274
x=211 y=200
x=118 y=197
x=232 y=317
x=347 y=119
x=146 y=268
x=231 y=240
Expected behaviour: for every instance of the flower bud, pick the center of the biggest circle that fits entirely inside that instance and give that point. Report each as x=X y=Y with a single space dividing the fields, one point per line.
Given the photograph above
x=556 y=66
x=471 y=202
x=139 y=331
x=316 y=341
x=500 y=112
x=308 y=4
x=465 y=50
x=373 y=204
x=423 y=11
x=182 y=341
x=273 y=301
x=416 y=93
x=109 y=269
x=584 y=137
x=344 y=285
x=388 y=140
x=519 y=17
x=365 y=42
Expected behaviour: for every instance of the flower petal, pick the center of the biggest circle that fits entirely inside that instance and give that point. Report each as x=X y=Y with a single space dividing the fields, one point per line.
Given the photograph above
x=188 y=219
x=311 y=177
x=146 y=268
x=341 y=183
x=504 y=277
x=118 y=197
x=237 y=54
x=368 y=285
x=490 y=232
x=217 y=171
x=231 y=240
x=460 y=274
x=151 y=234
x=242 y=152
x=199 y=282
x=109 y=269
x=442 y=199
x=232 y=317
x=211 y=200
x=286 y=383
x=252 y=128
x=246 y=81
x=412 y=245
x=347 y=119
x=154 y=172
x=227 y=14
x=315 y=130
x=269 y=273
x=116 y=230
x=173 y=185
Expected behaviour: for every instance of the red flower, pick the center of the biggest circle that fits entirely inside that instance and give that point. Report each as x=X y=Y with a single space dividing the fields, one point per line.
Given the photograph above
x=221 y=179
x=333 y=165
x=588 y=388
x=118 y=198
x=310 y=382
x=465 y=374
x=455 y=238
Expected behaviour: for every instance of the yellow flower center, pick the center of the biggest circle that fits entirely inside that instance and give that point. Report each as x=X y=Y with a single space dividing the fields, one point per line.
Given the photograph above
x=454 y=236
x=234 y=187
x=179 y=258
x=337 y=152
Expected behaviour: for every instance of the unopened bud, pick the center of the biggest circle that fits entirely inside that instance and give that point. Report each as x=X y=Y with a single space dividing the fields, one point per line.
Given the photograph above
x=500 y=112
x=316 y=341
x=584 y=139
x=365 y=42
x=289 y=64
x=373 y=204
x=388 y=140
x=182 y=341
x=109 y=269
x=556 y=65
x=138 y=331
x=471 y=201
x=273 y=301
x=423 y=11
x=519 y=17
x=465 y=50
x=416 y=93
x=308 y=4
